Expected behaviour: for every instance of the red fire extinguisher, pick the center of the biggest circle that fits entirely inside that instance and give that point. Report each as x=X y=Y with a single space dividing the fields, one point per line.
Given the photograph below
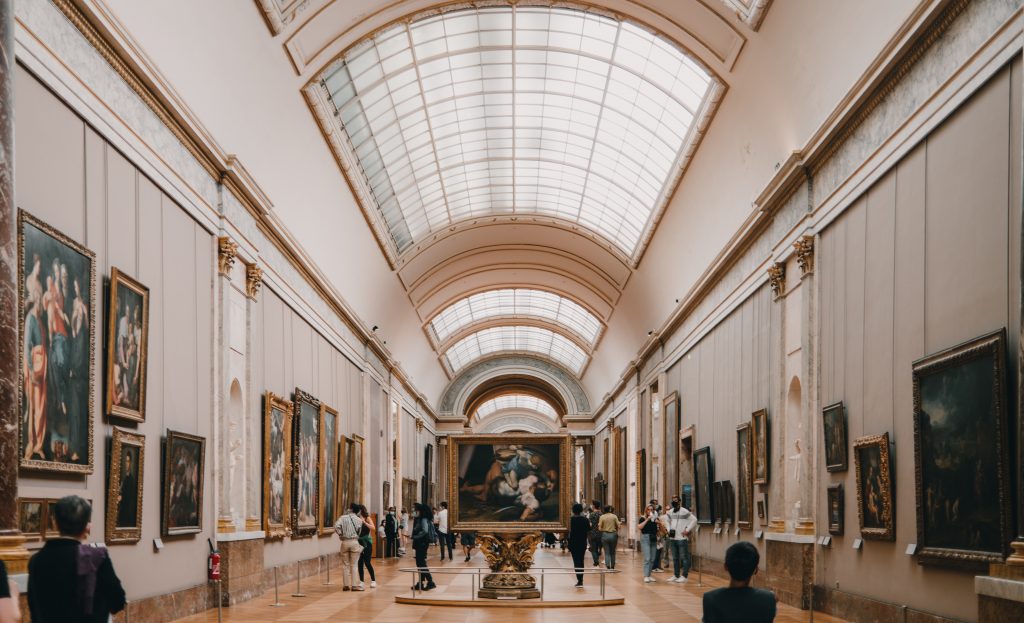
x=213 y=566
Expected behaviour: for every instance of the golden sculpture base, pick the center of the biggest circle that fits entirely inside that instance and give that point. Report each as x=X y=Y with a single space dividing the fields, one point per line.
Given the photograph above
x=508 y=593
x=509 y=557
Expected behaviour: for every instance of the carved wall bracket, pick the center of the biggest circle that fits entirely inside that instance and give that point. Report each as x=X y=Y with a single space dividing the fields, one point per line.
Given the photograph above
x=777 y=278
x=805 y=255
x=253 y=280
x=227 y=251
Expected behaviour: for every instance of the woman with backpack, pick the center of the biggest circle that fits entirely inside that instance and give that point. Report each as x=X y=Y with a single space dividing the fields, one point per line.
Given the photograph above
x=423 y=536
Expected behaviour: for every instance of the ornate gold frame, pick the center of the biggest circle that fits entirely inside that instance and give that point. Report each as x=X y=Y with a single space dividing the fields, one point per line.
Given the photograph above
x=119 y=278
x=888 y=531
x=166 y=509
x=565 y=488
x=356 y=482
x=641 y=481
x=114 y=534
x=699 y=504
x=36 y=464
x=745 y=468
x=993 y=344
x=302 y=398
x=327 y=527
x=755 y=432
x=271 y=401
x=42 y=502
x=342 y=489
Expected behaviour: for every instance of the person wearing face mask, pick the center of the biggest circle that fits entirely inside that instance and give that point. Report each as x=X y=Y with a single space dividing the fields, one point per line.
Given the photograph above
x=680 y=524
x=390 y=534
x=648 y=540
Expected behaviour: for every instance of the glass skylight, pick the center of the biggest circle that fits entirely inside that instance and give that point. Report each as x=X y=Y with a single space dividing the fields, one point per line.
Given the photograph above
x=520 y=402
x=516 y=339
x=517 y=110
x=516 y=303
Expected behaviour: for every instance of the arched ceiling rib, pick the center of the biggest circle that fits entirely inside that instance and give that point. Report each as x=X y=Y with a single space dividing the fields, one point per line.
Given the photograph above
x=515 y=403
x=516 y=339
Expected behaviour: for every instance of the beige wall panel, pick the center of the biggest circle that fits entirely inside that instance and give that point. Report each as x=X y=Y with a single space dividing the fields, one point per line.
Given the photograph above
x=179 y=317
x=273 y=345
x=96 y=189
x=302 y=353
x=1016 y=185
x=965 y=244
x=205 y=252
x=862 y=423
x=880 y=246
x=49 y=151
x=327 y=388
x=121 y=212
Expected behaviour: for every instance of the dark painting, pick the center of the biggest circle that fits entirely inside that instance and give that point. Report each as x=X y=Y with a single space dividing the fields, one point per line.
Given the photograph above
x=835 y=509
x=183 y=483
x=874 y=487
x=744 y=482
x=834 y=427
x=125 y=487
x=960 y=450
x=57 y=324
x=127 y=509
x=307 y=464
x=517 y=483
x=703 y=473
x=329 y=467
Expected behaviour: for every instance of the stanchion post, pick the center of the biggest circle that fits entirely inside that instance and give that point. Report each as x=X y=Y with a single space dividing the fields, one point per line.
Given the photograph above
x=602 y=585
x=327 y=559
x=277 y=598
x=298 y=580
x=127 y=612
x=220 y=600
x=542 y=574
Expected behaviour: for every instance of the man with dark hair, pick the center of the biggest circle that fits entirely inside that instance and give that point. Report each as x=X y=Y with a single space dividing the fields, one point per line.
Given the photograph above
x=68 y=580
x=594 y=536
x=739 y=601
x=444 y=537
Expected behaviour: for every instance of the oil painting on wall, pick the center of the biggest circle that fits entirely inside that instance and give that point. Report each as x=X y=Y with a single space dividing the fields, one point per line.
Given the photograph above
x=184 y=456
x=32 y=517
x=874 y=487
x=835 y=509
x=329 y=467
x=124 y=487
x=834 y=427
x=759 y=455
x=306 y=456
x=744 y=482
x=127 y=347
x=501 y=482
x=57 y=327
x=703 y=473
x=277 y=465
x=961 y=441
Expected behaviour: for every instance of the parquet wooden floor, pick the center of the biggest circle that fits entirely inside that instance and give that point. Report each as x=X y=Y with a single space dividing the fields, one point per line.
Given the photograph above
x=662 y=602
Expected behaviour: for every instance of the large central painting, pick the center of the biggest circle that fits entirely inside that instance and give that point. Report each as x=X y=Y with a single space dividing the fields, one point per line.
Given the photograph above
x=510 y=483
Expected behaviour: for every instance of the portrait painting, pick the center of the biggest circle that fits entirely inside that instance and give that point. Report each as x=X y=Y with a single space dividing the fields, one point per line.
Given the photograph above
x=306 y=471
x=961 y=454
x=124 y=488
x=874 y=487
x=32 y=518
x=704 y=474
x=57 y=331
x=277 y=465
x=127 y=347
x=834 y=427
x=184 y=456
x=744 y=480
x=759 y=454
x=835 y=509
x=329 y=468
x=509 y=482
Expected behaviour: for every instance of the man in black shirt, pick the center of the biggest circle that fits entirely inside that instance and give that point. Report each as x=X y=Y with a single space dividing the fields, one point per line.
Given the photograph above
x=69 y=581
x=739 y=602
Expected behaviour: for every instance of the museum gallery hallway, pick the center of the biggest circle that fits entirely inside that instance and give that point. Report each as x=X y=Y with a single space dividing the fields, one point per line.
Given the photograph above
x=662 y=602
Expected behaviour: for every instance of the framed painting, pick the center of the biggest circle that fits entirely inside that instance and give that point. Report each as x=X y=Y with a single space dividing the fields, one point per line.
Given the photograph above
x=344 y=494
x=641 y=479
x=875 y=506
x=834 y=427
x=408 y=494
x=32 y=518
x=730 y=501
x=277 y=465
x=127 y=347
x=124 y=487
x=57 y=337
x=760 y=450
x=357 y=470
x=835 y=509
x=762 y=506
x=509 y=482
x=385 y=494
x=52 y=531
x=744 y=478
x=306 y=464
x=329 y=468
x=703 y=475
x=962 y=455
x=184 y=459
x=718 y=501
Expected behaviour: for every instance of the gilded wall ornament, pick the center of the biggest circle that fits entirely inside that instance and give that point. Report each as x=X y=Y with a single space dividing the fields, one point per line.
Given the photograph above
x=253 y=280
x=227 y=251
x=777 y=278
x=805 y=254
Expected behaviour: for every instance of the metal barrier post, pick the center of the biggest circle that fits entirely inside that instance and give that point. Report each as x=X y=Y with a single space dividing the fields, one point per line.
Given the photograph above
x=277 y=600
x=602 y=586
x=127 y=611
x=298 y=580
x=220 y=600
x=542 y=574
x=327 y=558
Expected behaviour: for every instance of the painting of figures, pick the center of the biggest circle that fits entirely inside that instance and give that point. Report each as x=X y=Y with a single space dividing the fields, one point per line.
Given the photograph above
x=509 y=481
x=874 y=487
x=329 y=465
x=277 y=465
x=127 y=347
x=835 y=509
x=31 y=517
x=306 y=475
x=183 y=483
x=961 y=451
x=744 y=481
x=759 y=455
x=57 y=329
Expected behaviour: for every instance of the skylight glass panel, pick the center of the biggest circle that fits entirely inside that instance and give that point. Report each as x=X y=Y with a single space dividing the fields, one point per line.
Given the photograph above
x=518 y=402
x=516 y=339
x=516 y=303
x=517 y=110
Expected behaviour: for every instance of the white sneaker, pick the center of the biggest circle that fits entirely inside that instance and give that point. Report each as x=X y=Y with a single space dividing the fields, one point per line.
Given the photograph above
x=373 y=583
x=682 y=580
x=649 y=580
x=362 y=586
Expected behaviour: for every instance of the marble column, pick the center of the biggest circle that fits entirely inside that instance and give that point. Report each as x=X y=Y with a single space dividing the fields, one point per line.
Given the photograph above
x=12 y=543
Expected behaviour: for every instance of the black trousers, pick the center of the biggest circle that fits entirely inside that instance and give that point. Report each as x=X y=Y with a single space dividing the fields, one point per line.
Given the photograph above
x=365 y=560
x=578 y=554
x=421 y=562
x=446 y=540
x=391 y=546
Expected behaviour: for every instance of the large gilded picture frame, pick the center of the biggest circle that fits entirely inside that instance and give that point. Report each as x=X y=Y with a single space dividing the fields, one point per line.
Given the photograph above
x=57 y=342
x=125 y=487
x=127 y=347
x=357 y=468
x=328 y=468
x=509 y=483
x=306 y=464
x=962 y=455
x=277 y=465
x=703 y=485
x=875 y=506
x=184 y=465
x=760 y=451
x=744 y=482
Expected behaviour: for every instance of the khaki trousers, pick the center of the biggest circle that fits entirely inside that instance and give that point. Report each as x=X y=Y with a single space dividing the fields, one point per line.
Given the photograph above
x=350 y=552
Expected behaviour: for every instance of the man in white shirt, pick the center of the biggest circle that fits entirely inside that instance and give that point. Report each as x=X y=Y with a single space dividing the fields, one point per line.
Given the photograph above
x=681 y=523
x=444 y=538
x=347 y=527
